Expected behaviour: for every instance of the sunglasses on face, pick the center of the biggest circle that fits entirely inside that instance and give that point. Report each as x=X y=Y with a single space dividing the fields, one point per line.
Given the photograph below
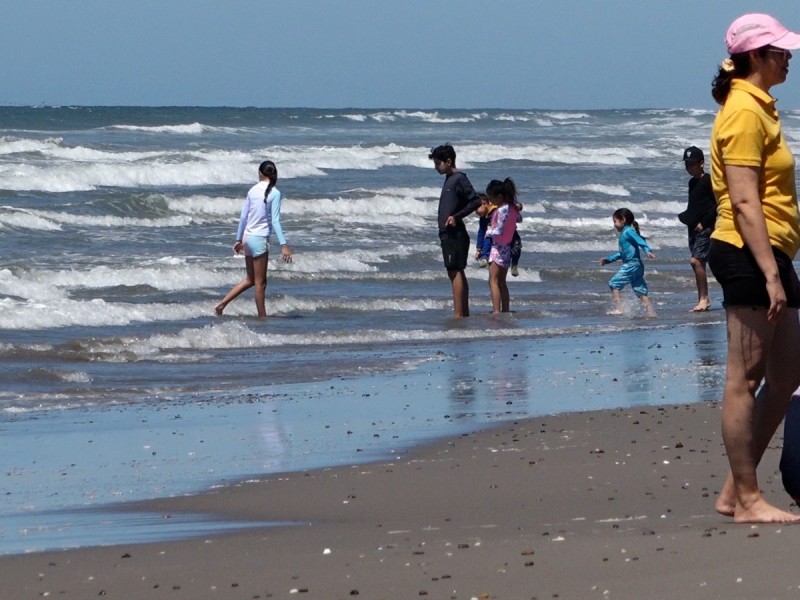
x=785 y=54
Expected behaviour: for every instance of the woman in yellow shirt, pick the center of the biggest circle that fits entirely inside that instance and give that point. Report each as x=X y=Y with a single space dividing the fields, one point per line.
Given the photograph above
x=756 y=237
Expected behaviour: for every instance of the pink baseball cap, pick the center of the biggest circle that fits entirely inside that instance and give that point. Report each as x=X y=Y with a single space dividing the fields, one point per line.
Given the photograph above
x=756 y=30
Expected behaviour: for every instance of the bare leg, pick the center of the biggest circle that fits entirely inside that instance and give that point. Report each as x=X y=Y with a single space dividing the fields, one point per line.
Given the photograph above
x=756 y=348
x=460 y=293
x=648 y=306
x=244 y=285
x=260 y=282
x=495 y=288
x=701 y=280
x=617 y=296
x=502 y=284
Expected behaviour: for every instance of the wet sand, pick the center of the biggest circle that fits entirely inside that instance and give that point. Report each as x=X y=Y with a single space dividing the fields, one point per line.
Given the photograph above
x=613 y=503
x=607 y=504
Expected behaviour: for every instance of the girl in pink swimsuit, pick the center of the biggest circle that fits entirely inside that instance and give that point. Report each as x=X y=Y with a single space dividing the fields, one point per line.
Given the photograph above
x=505 y=217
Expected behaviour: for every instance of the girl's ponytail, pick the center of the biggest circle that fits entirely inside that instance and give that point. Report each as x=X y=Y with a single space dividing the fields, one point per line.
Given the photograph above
x=270 y=171
x=507 y=190
x=626 y=216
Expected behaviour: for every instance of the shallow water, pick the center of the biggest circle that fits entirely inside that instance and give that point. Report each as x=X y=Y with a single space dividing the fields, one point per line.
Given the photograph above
x=63 y=463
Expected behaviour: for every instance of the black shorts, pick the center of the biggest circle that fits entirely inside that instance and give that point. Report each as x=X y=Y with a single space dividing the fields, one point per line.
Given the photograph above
x=455 y=248
x=743 y=283
x=699 y=242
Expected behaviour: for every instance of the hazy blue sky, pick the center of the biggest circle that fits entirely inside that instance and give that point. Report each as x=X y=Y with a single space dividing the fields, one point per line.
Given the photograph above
x=571 y=54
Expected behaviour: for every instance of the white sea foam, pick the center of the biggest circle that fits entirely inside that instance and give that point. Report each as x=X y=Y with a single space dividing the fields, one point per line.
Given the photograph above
x=190 y=128
x=73 y=376
x=565 y=154
x=85 y=169
x=26 y=219
x=58 y=218
x=656 y=206
x=567 y=116
x=597 y=188
x=12 y=145
x=512 y=118
x=64 y=312
x=232 y=335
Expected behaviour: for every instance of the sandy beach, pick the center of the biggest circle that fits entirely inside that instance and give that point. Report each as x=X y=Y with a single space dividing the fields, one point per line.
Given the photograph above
x=615 y=503
x=608 y=504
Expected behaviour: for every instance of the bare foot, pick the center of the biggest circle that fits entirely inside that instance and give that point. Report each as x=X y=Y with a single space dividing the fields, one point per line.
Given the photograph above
x=702 y=306
x=726 y=503
x=763 y=512
x=651 y=313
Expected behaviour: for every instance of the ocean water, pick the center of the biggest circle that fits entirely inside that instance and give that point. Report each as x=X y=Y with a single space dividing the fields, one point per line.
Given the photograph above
x=116 y=227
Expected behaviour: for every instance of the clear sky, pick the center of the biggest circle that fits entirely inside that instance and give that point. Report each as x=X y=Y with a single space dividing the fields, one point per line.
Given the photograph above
x=569 y=54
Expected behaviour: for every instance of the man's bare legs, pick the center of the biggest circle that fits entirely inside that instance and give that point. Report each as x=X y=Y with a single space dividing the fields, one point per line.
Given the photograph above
x=757 y=348
x=701 y=280
x=460 y=293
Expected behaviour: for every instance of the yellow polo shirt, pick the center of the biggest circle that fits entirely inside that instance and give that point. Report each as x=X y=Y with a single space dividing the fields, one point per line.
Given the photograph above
x=747 y=132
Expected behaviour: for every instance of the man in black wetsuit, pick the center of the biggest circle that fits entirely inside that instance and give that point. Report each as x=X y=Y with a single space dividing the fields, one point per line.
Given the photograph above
x=457 y=200
x=699 y=217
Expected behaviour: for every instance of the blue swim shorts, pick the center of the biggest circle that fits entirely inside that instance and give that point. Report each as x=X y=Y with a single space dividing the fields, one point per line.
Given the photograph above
x=255 y=245
x=630 y=273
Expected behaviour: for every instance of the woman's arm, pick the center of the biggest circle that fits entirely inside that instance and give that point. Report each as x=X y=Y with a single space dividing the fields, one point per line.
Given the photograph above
x=749 y=217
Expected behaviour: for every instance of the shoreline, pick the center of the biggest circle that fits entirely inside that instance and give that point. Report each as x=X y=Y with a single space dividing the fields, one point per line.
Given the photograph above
x=615 y=503
x=72 y=473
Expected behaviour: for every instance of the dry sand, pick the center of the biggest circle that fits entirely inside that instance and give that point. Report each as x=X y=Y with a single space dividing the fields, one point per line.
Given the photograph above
x=609 y=504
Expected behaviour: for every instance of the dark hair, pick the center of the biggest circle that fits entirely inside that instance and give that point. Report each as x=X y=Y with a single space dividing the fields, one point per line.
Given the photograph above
x=627 y=217
x=742 y=67
x=506 y=190
x=270 y=171
x=443 y=153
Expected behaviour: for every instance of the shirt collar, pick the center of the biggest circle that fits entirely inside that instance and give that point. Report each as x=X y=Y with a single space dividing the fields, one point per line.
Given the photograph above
x=758 y=93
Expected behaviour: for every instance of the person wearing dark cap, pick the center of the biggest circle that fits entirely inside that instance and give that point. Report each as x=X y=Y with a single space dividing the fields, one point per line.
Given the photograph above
x=457 y=200
x=699 y=218
x=755 y=240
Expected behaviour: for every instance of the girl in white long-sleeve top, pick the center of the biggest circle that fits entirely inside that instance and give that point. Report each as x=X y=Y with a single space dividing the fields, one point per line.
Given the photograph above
x=261 y=215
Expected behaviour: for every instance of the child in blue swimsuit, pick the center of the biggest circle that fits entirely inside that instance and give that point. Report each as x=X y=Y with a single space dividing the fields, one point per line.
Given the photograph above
x=632 y=270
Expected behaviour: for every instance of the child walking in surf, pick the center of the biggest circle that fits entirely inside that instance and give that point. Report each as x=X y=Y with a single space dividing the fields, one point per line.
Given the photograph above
x=502 y=228
x=483 y=243
x=632 y=270
x=261 y=215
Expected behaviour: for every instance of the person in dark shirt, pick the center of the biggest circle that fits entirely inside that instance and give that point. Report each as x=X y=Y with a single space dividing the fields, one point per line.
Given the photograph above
x=457 y=200
x=699 y=218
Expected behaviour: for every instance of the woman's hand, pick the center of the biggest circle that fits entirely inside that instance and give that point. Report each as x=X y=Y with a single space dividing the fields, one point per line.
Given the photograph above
x=286 y=253
x=777 y=299
x=749 y=216
x=237 y=247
